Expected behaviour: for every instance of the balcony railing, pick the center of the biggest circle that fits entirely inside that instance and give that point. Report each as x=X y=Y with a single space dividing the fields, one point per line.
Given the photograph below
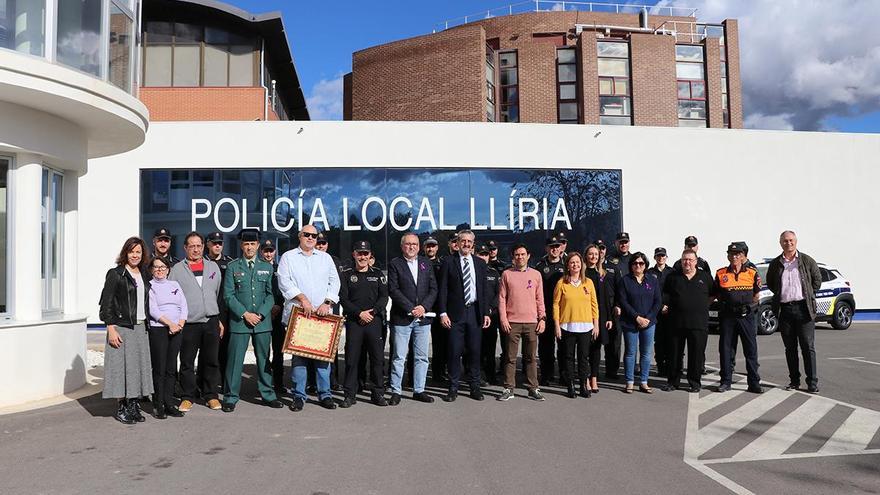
x=560 y=6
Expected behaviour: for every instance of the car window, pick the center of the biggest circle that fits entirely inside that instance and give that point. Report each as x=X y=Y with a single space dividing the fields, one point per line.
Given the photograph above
x=826 y=274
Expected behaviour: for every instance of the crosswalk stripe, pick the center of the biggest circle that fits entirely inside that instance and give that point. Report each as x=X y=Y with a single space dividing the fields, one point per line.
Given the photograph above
x=786 y=432
x=721 y=429
x=854 y=434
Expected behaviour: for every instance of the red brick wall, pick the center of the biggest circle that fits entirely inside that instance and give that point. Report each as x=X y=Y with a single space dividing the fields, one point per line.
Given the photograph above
x=734 y=83
x=589 y=78
x=654 y=93
x=713 y=83
x=537 y=83
x=439 y=77
x=180 y=104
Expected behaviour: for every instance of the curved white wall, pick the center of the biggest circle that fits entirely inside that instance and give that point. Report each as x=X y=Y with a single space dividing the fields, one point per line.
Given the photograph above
x=720 y=185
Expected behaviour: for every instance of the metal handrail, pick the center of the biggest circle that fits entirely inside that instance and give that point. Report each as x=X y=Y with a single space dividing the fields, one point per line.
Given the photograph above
x=561 y=6
x=691 y=32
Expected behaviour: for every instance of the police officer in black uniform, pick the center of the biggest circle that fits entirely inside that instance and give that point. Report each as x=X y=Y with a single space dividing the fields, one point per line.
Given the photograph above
x=214 y=252
x=490 y=334
x=494 y=261
x=563 y=241
x=268 y=252
x=663 y=351
x=690 y=242
x=162 y=246
x=617 y=265
x=439 y=335
x=363 y=295
x=551 y=267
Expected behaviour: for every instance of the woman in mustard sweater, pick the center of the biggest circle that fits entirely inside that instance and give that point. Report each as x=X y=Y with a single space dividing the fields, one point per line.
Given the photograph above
x=576 y=314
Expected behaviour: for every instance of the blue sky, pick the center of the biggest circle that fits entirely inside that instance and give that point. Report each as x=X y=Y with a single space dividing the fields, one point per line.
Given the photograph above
x=788 y=84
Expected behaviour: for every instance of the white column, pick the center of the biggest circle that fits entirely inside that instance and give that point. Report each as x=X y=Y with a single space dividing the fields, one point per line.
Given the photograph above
x=25 y=191
x=71 y=240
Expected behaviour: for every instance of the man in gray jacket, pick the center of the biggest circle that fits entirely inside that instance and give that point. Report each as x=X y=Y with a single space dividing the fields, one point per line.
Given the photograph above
x=201 y=282
x=794 y=279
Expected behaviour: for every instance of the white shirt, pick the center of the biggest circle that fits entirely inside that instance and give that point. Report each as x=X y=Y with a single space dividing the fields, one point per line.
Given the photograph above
x=792 y=290
x=413 y=265
x=313 y=275
x=473 y=287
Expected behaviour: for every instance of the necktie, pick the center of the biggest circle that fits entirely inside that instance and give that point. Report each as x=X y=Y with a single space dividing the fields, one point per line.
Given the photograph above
x=250 y=265
x=466 y=277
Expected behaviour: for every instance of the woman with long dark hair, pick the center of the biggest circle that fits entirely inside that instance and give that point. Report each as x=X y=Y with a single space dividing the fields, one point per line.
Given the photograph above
x=605 y=294
x=576 y=313
x=127 y=369
x=640 y=300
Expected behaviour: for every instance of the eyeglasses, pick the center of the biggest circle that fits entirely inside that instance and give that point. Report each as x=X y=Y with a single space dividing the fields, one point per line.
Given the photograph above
x=313 y=235
x=160 y=268
x=216 y=243
x=362 y=253
x=638 y=263
x=321 y=243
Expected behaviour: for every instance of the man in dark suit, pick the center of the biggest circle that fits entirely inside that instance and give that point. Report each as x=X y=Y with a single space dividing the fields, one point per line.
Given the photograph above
x=413 y=290
x=464 y=310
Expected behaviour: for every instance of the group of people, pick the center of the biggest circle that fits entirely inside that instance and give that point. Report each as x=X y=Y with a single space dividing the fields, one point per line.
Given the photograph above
x=559 y=314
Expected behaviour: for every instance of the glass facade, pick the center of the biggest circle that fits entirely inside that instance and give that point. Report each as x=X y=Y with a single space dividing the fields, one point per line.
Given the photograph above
x=22 y=26
x=691 y=82
x=93 y=36
x=379 y=205
x=52 y=240
x=615 y=101
x=4 y=222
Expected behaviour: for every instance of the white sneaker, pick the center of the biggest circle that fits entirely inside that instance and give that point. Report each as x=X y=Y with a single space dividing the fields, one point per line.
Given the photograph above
x=507 y=394
x=536 y=394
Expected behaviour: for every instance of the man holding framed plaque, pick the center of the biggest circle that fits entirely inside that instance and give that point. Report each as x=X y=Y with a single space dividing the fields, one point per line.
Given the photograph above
x=308 y=280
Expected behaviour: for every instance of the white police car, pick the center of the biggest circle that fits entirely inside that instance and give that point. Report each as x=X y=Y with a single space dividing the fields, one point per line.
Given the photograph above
x=834 y=302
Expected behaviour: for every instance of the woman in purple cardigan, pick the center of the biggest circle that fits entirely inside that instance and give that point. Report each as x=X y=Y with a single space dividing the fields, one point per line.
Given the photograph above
x=167 y=316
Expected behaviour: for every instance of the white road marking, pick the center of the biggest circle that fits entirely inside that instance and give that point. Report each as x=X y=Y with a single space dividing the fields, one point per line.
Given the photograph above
x=854 y=434
x=856 y=359
x=781 y=436
x=719 y=430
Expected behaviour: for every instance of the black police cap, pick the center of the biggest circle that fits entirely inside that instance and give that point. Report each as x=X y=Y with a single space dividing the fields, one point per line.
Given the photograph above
x=660 y=251
x=622 y=236
x=599 y=243
x=430 y=241
x=691 y=241
x=162 y=233
x=562 y=238
x=483 y=249
x=553 y=241
x=492 y=245
x=267 y=245
x=362 y=246
x=248 y=235
x=214 y=237
x=736 y=247
x=322 y=237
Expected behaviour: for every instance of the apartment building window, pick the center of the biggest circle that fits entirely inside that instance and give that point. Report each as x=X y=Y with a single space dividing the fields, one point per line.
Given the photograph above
x=725 y=99
x=691 y=80
x=509 y=87
x=4 y=222
x=490 y=84
x=615 y=99
x=52 y=240
x=566 y=85
x=189 y=55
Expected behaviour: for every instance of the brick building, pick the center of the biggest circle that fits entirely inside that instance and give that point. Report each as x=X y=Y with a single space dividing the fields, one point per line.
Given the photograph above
x=207 y=60
x=584 y=67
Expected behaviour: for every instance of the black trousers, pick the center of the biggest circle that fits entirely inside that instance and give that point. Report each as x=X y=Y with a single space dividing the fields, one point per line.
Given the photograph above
x=797 y=328
x=487 y=349
x=547 y=353
x=222 y=354
x=612 y=350
x=369 y=337
x=579 y=341
x=164 y=349
x=695 y=339
x=465 y=337
x=440 y=350
x=595 y=357
x=279 y=331
x=664 y=348
x=202 y=339
x=742 y=327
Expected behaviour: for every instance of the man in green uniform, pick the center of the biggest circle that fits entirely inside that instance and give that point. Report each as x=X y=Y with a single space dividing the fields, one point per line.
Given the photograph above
x=248 y=292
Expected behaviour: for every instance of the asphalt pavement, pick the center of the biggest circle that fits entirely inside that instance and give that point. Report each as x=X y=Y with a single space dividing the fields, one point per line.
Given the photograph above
x=735 y=442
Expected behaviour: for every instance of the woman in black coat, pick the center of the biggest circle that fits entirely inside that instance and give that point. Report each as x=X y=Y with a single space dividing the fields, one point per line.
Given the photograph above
x=124 y=307
x=605 y=293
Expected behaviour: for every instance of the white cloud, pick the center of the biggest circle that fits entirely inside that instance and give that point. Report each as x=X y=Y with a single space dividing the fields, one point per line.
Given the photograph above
x=802 y=61
x=325 y=99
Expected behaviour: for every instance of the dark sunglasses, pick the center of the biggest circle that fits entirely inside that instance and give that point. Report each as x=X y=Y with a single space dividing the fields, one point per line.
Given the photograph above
x=639 y=263
x=309 y=234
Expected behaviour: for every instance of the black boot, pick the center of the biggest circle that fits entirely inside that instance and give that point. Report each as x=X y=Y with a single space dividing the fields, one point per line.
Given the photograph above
x=571 y=394
x=585 y=392
x=159 y=410
x=122 y=415
x=134 y=410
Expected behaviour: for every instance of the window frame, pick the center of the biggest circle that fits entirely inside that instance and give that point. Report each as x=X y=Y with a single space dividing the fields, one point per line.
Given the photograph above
x=500 y=105
x=47 y=262
x=679 y=79
x=491 y=87
x=614 y=82
x=559 y=84
x=8 y=312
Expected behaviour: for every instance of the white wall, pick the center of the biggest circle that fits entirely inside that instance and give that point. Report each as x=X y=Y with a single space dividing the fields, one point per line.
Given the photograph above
x=720 y=185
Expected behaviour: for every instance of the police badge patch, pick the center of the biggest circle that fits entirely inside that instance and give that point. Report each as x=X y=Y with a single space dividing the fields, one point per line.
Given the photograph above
x=354 y=278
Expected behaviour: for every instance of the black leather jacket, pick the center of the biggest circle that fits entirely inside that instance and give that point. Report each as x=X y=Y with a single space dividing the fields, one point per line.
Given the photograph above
x=119 y=297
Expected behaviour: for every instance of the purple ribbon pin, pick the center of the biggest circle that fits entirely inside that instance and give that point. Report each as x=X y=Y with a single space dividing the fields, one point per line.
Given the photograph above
x=174 y=292
x=212 y=275
x=530 y=285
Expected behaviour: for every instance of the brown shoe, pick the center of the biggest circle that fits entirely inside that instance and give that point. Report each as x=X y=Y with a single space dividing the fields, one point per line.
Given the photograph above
x=215 y=405
x=185 y=406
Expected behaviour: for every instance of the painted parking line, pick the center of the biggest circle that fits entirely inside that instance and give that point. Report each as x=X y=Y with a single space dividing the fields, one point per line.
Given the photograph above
x=859 y=359
x=742 y=429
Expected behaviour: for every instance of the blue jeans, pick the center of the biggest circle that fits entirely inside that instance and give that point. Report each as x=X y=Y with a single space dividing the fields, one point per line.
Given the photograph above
x=643 y=340
x=299 y=375
x=421 y=335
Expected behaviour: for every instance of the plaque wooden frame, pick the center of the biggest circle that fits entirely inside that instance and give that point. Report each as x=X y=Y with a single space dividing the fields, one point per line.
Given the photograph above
x=314 y=337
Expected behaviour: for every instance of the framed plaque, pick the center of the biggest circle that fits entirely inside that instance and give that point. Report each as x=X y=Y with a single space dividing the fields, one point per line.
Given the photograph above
x=313 y=337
